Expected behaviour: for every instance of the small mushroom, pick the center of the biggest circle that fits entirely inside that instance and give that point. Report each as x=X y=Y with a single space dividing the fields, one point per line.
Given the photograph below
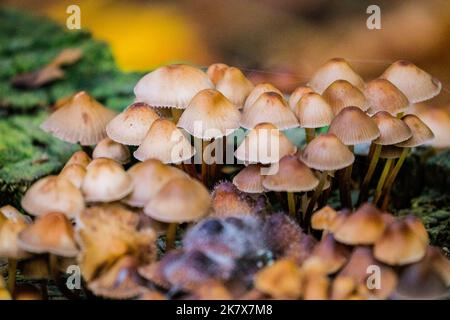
x=342 y=94
x=110 y=149
x=257 y=91
x=234 y=86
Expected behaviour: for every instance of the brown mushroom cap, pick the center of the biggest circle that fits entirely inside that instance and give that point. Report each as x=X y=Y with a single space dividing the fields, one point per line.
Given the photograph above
x=316 y=287
x=235 y=86
x=249 y=179
x=171 y=86
x=148 y=178
x=180 y=200
x=331 y=253
x=438 y=120
x=257 y=91
x=322 y=219
x=215 y=114
x=228 y=201
x=105 y=181
x=292 y=176
x=390 y=152
x=415 y=83
x=75 y=173
x=326 y=152
x=80 y=120
x=332 y=70
x=353 y=126
x=420 y=132
x=110 y=149
x=269 y=107
x=80 y=157
x=264 y=144
x=312 y=111
x=165 y=142
x=297 y=94
x=341 y=94
x=382 y=95
x=51 y=233
x=53 y=193
x=392 y=129
x=130 y=126
x=216 y=71
x=12 y=222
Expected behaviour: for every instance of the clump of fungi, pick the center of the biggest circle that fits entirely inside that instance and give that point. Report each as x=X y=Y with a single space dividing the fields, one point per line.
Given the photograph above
x=145 y=211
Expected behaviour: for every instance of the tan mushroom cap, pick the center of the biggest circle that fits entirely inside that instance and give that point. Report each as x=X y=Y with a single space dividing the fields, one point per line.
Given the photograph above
x=216 y=71
x=421 y=133
x=257 y=91
x=332 y=254
x=210 y=116
x=341 y=94
x=326 y=153
x=52 y=233
x=269 y=107
x=264 y=144
x=382 y=95
x=148 y=178
x=235 y=86
x=297 y=94
x=111 y=149
x=392 y=129
x=12 y=222
x=165 y=142
x=312 y=111
x=228 y=201
x=180 y=200
x=53 y=193
x=292 y=176
x=353 y=126
x=105 y=181
x=391 y=152
x=323 y=218
x=438 y=120
x=400 y=244
x=75 y=173
x=281 y=280
x=130 y=126
x=171 y=86
x=363 y=227
x=316 y=287
x=332 y=70
x=80 y=120
x=80 y=157
x=249 y=179
x=415 y=83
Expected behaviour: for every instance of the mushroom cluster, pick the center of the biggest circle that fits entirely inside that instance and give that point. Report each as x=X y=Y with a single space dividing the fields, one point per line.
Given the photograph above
x=146 y=178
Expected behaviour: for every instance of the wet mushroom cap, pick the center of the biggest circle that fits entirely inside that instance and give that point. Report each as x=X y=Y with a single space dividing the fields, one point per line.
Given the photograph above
x=235 y=86
x=297 y=94
x=392 y=129
x=312 y=111
x=382 y=95
x=130 y=126
x=257 y=91
x=249 y=179
x=341 y=94
x=111 y=149
x=421 y=133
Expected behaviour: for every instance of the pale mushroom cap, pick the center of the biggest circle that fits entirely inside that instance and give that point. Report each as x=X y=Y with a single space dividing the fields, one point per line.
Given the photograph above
x=312 y=111
x=392 y=129
x=391 y=152
x=75 y=173
x=180 y=200
x=382 y=95
x=421 y=133
x=363 y=227
x=81 y=120
x=111 y=149
x=52 y=233
x=269 y=107
x=53 y=193
x=259 y=90
x=332 y=70
x=249 y=179
x=264 y=144
x=105 y=181
x=292 y=176
x=327 y=152
x=79 y=157
x=353 y=126
x=341 y=94
x=148 y=178
x=438 y=120
x=210 y=115
x=171 y=86
x=165 y=142
x=12 y=222
x=297 y=94
x=235 y=86
x=130 y=126
x=216 y=71
x=415 y=83
x=400 y=244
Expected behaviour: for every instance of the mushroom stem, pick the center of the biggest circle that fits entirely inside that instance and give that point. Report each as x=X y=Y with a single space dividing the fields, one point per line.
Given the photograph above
x=189 y=168
x=312 y=202
x=291 y=203
x=383 y=177
x=44 y=291
x=370 y=171
x=390 y=180
x=53 y=261
x=176 y=114
x=170 y=236
x=304 y=206
x=205 y=143
x=345 y=185
x=310 y=134
x=12 y=269
x=325 y=195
